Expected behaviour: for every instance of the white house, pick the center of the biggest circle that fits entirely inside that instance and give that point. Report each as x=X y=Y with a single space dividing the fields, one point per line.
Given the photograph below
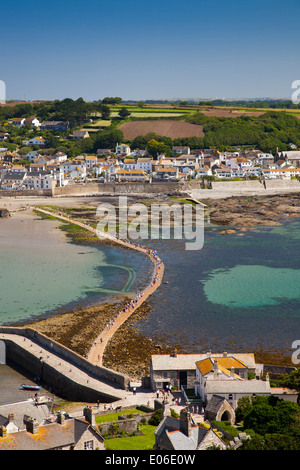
x=18 y=122
x=144 y=164
x=122 y=149
x=131 y=175
x=35 y=141
x=32 y=156
x=60 y=157
x=227 y=376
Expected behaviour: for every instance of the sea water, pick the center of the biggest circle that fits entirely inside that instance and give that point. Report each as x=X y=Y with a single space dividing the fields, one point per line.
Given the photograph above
x=41 y=273
x=236 y=293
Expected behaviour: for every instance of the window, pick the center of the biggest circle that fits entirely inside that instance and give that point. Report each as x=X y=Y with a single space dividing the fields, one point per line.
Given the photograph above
x=88 y=445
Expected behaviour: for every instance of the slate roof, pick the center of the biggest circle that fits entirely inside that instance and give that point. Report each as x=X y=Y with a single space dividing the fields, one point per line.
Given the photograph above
x=19 y=410
x=214 y=404
x=48 y=437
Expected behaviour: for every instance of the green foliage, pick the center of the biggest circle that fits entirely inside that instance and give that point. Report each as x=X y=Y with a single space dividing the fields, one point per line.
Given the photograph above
x=275 y=422
x=156 y=418
x=156 y=148
x=291 y=380
x=124 y=113
x=269 y=131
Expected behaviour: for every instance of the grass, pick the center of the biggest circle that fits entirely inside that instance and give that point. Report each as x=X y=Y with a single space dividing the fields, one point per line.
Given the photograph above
x=114 y=416
x=44 y=216
x=144 y=442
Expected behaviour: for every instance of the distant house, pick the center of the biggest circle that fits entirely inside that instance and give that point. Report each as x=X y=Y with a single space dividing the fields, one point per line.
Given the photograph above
x=281 y=173
x=131 y=176
x=128 y=164
x=104 y=152
x=178 y=150
x=20 y=122
x=33 y=122
x=167 y=173
x=41 y=179
x=32 y=156
x=79 y=135
x=91 y=161
x=4 y=136
x=35 y=141
x=13 y=180
x=55 y=125
x=60 y=157
x=122 y=149
x=144 y=164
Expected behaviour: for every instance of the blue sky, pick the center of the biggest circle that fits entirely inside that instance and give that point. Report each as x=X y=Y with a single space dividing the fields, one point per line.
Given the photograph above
x=149 y=50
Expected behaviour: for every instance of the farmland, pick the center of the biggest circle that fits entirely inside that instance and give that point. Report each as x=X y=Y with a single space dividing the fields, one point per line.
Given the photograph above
x=172 y=129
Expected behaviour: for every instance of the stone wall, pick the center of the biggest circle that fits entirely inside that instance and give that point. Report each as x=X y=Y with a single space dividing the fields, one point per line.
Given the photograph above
x=50 y=376
x=90 y=189
x=26 y=193
x=282 y=184
x=253 y=185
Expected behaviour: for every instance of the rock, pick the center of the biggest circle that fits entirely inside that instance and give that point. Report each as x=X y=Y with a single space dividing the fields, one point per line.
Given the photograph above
x=4 y=213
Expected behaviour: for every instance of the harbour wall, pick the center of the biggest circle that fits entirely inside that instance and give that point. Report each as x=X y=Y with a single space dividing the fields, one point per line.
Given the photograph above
x=61 y=382
x=118 y=189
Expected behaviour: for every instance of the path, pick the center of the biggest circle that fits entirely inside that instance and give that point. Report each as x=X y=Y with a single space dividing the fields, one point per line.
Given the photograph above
x=95 y=355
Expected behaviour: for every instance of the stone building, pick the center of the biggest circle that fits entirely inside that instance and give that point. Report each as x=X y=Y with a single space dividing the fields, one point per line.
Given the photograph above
x=218 y=409
x=180 y=369
x=184 y=434
x=42 y=431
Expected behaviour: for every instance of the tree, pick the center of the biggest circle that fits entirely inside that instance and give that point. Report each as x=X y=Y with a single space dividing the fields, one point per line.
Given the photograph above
x=156 y=148
x=105 y=112
x=124 y=113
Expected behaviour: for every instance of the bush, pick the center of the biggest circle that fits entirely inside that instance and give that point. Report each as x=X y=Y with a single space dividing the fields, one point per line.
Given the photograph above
x=156 y=418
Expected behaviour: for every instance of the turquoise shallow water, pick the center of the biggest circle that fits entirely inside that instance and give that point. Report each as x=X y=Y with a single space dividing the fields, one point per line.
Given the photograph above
x=246 y=286
x=39 y=276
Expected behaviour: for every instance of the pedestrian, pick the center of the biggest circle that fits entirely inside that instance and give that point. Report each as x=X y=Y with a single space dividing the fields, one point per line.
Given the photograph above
x=157 y=393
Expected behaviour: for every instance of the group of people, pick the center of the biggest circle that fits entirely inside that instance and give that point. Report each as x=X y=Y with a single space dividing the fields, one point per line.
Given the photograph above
x=133 y=302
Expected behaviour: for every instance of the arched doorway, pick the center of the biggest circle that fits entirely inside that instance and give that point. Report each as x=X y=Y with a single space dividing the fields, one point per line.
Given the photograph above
x=226 y=416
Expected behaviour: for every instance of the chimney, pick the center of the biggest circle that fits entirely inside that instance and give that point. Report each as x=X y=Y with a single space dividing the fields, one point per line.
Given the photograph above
x=232 y=372
x=2 y=431
x=215 y=367
x=61 y=417
x=175 y=353
x=224 y=354
x=89 y=415
x=185 y=422
x=10 y=418
x=32 y=425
